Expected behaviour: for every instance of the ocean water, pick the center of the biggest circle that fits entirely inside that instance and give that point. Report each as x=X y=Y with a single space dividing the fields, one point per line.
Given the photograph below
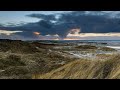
x=107 y=42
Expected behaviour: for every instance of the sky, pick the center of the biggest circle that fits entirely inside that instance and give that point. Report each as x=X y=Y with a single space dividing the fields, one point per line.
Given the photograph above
x=20 y=16
x=57 y=25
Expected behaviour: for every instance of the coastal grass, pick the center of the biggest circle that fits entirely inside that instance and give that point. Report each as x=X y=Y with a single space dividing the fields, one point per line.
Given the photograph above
x=86 y=69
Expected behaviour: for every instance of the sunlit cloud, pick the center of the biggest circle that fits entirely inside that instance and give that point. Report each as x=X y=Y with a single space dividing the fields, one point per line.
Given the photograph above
x=7 y=32
x=36 y=33
x=94 y=34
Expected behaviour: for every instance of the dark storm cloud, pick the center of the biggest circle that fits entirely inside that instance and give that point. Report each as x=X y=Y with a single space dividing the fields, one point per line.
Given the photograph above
x=96 y=22
x=42 y=16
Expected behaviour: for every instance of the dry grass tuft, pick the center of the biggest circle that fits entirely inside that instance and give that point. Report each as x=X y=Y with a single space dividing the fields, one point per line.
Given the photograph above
x=86 y=69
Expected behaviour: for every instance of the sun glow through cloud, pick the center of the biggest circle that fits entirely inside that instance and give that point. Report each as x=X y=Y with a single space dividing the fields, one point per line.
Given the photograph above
x=36 y=33
x=7 y=32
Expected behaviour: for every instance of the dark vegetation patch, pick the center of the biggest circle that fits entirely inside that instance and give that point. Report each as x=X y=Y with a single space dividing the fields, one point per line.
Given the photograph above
x=86 y=47
x=107 y=49
x=89 y=47
x=17 y=47
x=16 y=70
x=12 y=60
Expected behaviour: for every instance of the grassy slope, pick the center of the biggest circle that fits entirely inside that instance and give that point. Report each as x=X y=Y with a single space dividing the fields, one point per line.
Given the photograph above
x=17 y=47
x=16 y=66
x=86 y=69
x=20 y=59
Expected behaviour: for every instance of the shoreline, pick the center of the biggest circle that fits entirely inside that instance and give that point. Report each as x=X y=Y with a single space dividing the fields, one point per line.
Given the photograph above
x=114 y=47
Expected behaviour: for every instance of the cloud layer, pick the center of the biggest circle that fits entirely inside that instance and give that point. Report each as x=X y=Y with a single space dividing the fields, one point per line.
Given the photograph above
x=62 y=23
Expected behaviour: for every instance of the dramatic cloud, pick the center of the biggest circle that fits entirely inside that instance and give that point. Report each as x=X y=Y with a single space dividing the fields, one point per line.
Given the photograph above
x=65 y=24
x=74 y=31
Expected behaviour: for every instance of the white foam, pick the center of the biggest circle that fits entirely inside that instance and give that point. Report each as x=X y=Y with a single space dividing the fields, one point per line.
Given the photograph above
x=114 y=47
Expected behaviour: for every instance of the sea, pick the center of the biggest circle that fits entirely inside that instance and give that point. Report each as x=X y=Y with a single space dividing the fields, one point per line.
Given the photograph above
x=108 y=43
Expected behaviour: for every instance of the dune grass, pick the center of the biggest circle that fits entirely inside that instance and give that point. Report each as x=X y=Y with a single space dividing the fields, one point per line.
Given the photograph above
x=86 y=47
x=107 y=49
x=22 y=60
x=86 y=69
